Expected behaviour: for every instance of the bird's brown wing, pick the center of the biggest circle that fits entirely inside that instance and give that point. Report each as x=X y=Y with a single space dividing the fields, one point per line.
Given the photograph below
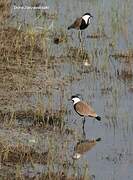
x=76 y=23
x=84 y=109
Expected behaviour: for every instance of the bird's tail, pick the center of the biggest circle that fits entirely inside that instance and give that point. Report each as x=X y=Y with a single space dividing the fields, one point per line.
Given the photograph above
x=98 y=139
x=69 y=27
x=98 y=118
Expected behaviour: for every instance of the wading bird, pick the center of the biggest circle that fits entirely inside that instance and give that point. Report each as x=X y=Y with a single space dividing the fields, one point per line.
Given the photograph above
x=81 y=23
x=84 y=109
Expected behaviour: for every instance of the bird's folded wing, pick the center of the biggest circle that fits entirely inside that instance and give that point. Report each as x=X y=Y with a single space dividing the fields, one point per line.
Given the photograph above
x=76 y=23
x=84 y=109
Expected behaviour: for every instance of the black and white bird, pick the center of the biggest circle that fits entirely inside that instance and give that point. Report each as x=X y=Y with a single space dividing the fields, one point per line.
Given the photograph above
x=84 y=109
x=82 y=22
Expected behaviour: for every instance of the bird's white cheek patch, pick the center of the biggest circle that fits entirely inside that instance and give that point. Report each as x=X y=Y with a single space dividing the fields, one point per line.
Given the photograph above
x=86 y=17
x=76 y=100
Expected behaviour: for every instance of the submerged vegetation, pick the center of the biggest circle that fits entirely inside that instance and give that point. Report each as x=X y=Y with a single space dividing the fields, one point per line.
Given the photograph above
x=33 y=134
x=5 y=8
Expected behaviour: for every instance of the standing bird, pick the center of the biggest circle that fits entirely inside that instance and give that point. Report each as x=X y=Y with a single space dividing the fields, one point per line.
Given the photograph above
x=81 y=23
x=84 y=109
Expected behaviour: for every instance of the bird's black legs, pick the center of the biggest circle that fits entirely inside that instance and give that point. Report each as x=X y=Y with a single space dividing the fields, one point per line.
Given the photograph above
x=83 y=128
x=80 y=40
x=80 y=36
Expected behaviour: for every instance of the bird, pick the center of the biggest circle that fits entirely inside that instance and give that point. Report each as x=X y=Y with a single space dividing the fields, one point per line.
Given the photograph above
x=82 y=22
x=83 y=109
x=83 y=146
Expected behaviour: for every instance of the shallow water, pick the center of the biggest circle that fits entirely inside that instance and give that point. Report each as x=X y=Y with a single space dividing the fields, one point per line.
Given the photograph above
x=104 y=87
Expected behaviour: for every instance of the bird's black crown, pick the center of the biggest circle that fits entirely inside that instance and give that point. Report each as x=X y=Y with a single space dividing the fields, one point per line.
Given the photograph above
x=88 y=14
x=74 y=96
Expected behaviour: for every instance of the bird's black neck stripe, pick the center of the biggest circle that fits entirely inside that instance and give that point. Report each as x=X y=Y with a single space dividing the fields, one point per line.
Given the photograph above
x=83 y=24
x=76 y=110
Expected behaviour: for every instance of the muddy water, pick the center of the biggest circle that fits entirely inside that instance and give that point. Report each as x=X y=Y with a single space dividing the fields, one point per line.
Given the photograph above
x=106 y=86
